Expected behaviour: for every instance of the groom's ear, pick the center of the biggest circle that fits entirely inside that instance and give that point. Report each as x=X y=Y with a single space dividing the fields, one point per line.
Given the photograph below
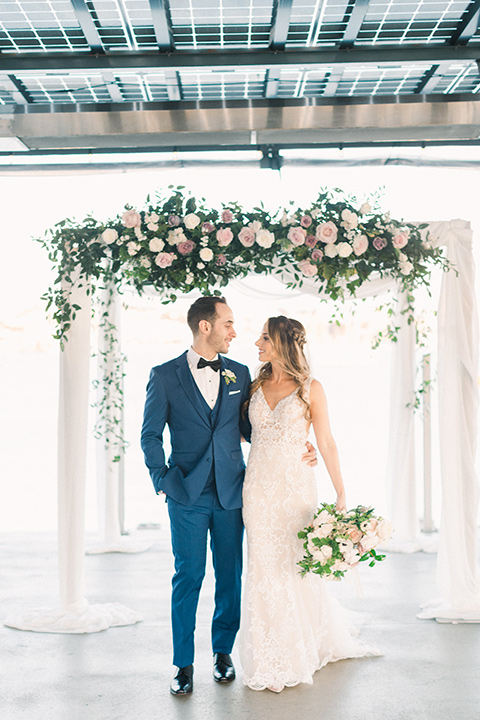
x=204 y=327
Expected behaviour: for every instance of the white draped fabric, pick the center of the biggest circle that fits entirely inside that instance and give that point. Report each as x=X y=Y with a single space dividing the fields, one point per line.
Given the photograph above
x=74 y=615
x=458 y=573
x=109 y=470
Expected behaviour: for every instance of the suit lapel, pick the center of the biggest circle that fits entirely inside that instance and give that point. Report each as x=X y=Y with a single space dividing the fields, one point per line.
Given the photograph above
x=191 y=389
x=221 y=403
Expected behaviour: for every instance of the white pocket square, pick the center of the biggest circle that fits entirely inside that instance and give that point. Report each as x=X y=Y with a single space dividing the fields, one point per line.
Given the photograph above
x=234 y=392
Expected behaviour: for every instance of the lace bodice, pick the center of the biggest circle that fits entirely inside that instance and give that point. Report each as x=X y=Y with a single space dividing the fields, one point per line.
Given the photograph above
x=283 y=427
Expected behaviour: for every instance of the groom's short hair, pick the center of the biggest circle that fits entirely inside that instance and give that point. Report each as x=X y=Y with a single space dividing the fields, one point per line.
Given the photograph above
x=205 y=308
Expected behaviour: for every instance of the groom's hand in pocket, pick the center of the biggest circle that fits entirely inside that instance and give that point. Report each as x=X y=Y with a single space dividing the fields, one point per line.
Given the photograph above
x=310 y=457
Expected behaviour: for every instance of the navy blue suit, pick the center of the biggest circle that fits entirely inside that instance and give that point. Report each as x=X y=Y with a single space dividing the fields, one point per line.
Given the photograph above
x=203 y=481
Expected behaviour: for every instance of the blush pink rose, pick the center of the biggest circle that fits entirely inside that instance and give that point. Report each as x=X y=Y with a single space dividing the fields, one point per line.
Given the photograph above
x=306 y=221
x=400 y=240
x=227 y=216
x=164 y=260
x=224 y=237
x=207 y=227
x=246 y=236
x=221 y=260
x=307 y=268
x=185 y=247
x=131 y=219
x=360 y=244
x=327 y=232
x=317 y=254
x=297 y=235
x=311 y=241
x=355 y=535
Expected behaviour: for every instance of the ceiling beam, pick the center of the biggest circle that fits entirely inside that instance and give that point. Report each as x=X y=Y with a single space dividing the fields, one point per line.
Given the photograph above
x=468 y=25
x=272 y=80
x=79 y=62
x=174 y=85
x=430 y=80
x=162 y=24
x=16 y=89
x=307 y=121
x=282 y=11
x=87 y=25
x=112 y=87
x=357 y=17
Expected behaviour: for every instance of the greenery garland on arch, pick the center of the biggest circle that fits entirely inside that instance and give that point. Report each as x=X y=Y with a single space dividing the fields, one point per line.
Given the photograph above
x=177 y=244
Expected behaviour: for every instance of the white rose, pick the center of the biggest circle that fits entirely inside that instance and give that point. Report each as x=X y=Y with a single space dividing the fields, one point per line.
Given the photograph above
x=331 y=250
x=109 y=236
x=384 y=529
x=156 y=245
x=255 y=225
x=200 y=266
x=152 y=226
x=365 y=208
x=206 y=254
x=315 y=212
x=265 y=238
x=145 y=262
x=350 y=219
x=344 y=249
x=176 y=236
x=133 y=248
x=326 y=550
x=191 y=221
x=153 y=218
x=324 y=517
x=189 y=278
x=406 y=268
x=369 y=542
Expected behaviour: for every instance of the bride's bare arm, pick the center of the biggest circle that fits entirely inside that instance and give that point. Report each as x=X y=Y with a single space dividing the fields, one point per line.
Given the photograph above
x=325 y=441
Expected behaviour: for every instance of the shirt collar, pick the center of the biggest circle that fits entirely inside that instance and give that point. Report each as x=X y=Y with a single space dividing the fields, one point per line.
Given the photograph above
x=193 y=357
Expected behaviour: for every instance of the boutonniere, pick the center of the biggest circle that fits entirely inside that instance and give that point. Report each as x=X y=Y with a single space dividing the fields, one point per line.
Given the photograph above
x=229 y=376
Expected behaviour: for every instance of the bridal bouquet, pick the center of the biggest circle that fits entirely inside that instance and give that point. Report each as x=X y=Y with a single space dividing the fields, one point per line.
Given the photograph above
x=337 y=541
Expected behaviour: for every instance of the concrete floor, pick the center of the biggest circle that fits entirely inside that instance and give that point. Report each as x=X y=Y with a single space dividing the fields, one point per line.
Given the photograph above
x=429 y=671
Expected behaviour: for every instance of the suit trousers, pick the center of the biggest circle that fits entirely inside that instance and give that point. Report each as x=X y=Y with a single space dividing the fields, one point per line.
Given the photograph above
x=190 y=527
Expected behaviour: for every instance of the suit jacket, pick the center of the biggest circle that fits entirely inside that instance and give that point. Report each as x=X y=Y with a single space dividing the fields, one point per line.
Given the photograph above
x=201 y=438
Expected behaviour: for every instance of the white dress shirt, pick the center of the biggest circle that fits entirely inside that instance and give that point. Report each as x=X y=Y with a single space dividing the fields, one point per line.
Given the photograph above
x=208 y=381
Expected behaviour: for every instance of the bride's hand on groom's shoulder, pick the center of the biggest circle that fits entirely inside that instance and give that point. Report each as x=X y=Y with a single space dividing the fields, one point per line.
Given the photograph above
x=310 y=457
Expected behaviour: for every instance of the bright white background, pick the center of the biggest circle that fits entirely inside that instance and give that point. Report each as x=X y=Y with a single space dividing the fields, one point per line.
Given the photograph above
x=356 y=379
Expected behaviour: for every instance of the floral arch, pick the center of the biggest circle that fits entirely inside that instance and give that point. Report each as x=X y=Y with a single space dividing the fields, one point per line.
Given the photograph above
x=335 y=248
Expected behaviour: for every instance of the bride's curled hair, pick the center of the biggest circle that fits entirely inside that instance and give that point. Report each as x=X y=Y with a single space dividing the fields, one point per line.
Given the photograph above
x=287 y=337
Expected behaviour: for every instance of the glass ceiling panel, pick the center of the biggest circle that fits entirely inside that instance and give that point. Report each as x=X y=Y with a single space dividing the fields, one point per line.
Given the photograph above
x=126 y=26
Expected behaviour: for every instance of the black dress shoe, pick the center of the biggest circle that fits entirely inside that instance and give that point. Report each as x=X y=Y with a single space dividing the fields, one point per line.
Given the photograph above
x=223 y=670
x=182 y=683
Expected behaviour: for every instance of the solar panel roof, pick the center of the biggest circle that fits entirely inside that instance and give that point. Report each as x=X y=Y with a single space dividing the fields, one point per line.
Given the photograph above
x=95 y=52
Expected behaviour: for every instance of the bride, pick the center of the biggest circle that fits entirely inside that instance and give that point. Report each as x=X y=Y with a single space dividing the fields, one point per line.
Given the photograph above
x=290 y=627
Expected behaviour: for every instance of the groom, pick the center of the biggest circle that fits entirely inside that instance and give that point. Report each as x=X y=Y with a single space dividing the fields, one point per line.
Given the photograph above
x=200 y=396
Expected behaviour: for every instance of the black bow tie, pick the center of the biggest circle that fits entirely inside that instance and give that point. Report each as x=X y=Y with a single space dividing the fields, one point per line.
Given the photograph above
x=214 y=364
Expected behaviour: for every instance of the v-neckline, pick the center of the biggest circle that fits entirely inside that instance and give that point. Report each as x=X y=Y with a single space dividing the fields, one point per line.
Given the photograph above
x=278 y=403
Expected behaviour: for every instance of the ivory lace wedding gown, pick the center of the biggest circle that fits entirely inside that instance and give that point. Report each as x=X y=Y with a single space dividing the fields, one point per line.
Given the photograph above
x=290 y=625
